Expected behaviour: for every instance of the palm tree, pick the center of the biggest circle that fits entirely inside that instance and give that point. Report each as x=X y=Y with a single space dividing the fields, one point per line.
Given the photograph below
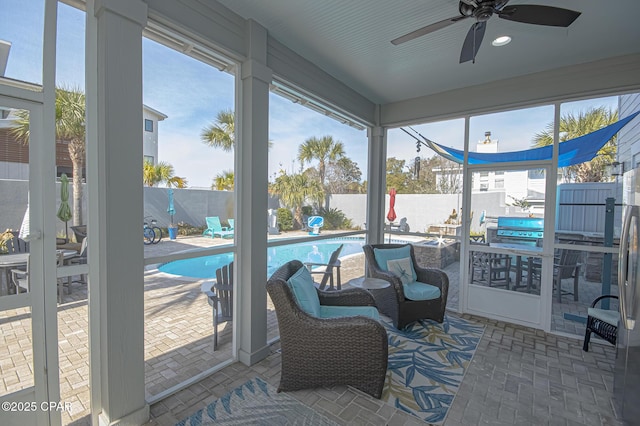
x=221 y=134
x=224 y=181
x=323 y=149
x=154 y=174
x=70 y=128
x=572 y=126
x=294 y=190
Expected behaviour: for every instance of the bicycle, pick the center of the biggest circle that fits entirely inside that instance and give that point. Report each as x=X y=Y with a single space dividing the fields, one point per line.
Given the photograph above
x=148 y=234
x=157 y=231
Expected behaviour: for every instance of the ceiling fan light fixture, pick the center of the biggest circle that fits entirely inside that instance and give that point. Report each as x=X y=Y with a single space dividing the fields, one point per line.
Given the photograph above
x=501 y=41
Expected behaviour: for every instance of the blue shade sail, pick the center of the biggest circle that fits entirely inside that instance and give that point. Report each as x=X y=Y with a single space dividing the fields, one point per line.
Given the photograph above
x=571 y=152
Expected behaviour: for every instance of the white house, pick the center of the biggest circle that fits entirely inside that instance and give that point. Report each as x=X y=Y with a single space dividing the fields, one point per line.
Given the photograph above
x=150 y=142
x=14 y=159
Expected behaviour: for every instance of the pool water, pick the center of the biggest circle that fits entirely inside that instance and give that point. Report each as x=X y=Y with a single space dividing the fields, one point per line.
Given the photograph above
x=205 y=267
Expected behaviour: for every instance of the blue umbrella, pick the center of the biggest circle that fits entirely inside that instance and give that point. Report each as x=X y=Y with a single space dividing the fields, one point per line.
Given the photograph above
x=171 y=210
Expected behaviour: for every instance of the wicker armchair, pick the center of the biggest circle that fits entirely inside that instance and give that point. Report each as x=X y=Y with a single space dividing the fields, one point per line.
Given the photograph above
x=320 y=352
x=391 y=300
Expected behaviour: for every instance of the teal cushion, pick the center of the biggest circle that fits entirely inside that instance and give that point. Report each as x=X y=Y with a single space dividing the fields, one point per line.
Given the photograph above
x=304 y=292
x=348 y=311
x=420 y=291
x=610 y=317
x=383 y=256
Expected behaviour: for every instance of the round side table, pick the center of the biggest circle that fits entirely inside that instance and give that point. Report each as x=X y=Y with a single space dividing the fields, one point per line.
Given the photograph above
x=369 y=283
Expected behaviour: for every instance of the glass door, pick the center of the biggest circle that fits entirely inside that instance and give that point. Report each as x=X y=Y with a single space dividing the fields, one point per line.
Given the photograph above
x=28 y=283
x=507 y=257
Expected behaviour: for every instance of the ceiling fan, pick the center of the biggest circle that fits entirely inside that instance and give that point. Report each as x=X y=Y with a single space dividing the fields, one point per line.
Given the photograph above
x=482 y=10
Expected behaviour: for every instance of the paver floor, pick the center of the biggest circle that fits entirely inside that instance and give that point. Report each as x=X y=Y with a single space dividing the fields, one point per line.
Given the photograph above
x=510 y=361
x=518 y=376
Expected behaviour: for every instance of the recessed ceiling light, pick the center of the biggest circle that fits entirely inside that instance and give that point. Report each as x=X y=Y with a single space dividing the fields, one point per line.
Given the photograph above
x=501 y=41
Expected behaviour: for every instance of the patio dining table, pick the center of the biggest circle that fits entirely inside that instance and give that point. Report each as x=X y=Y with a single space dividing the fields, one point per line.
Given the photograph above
x=18 y=260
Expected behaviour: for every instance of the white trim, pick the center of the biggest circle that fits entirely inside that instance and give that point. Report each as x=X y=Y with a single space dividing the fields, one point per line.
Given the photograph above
x=190 y=254
x=15 y=301
x=190 y=381
x=93 y=153
x=251 y=171
x=304 y=98
x=182 y=43
x=159 y=116
x=551 y=193
x=22 y=89
x=377 y=157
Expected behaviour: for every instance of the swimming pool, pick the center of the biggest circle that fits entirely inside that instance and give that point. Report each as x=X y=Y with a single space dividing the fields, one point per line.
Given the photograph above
x=205 y=267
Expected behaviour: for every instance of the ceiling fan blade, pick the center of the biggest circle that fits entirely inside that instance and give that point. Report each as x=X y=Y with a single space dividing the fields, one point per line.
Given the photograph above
x=472 y=42
x=539 y=15
x=426 y=30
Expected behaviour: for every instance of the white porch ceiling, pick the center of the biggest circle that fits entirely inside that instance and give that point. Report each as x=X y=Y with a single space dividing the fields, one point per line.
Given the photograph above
x=351 y=40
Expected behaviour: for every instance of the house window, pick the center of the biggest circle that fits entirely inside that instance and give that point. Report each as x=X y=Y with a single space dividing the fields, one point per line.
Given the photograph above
x=499 y=183
x=148 y=125
x=148 y=159
x=484 y=187
x=484 y=174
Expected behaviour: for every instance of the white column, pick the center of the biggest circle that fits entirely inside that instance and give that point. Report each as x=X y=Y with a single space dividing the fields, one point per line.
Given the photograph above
x=377 y=181
x=251 y=185
x=114 y=165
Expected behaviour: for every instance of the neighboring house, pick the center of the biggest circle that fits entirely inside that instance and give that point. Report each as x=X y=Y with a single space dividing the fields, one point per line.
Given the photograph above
x=5 y=46
x=151 y=117
x=14 y=156
x=628 y=154
x=516 y=185
x=629 y=136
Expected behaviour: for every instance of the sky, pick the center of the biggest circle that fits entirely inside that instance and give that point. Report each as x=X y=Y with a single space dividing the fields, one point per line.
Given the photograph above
x=191 y=93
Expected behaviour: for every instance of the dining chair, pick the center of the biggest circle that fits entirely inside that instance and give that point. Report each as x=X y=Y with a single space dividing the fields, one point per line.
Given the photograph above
x=20 y=279
x=60 y=280
x=493 y=268
x=81 y=259
x=17 y=245
x=565 y=265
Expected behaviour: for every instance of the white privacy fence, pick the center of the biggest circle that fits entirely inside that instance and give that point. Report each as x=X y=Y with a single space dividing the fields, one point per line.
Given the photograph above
x=580 y=206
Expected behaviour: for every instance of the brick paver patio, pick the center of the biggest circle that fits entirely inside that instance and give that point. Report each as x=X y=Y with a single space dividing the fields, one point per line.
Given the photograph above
x=513 y=369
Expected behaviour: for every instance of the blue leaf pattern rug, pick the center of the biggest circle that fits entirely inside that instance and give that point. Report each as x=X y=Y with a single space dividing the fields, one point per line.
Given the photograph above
x=427 y=362
x=256 y=403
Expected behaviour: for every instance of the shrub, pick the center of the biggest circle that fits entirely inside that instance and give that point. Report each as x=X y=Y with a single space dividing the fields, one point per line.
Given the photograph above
x=4 y=237
x=307 y=210
x=335 y=219
x=285 y=219
x=187 y=229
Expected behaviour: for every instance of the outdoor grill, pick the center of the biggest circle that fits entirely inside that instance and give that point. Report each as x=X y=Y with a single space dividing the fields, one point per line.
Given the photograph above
x=520 y=230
